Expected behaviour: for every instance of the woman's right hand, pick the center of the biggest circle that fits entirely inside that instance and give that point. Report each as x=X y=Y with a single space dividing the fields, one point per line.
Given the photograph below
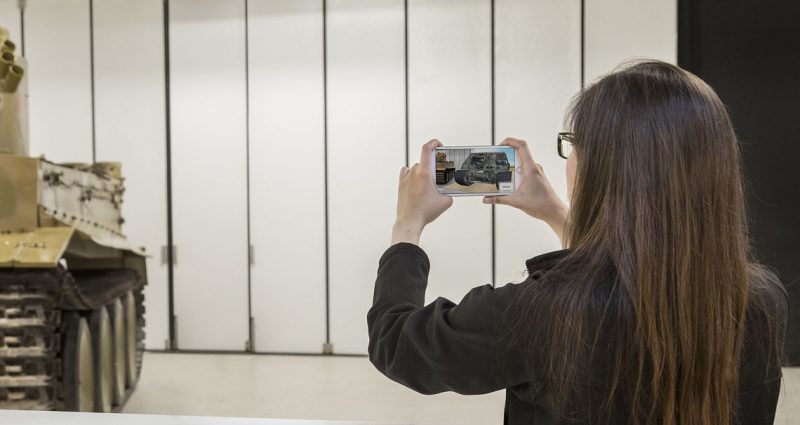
x=534 y=196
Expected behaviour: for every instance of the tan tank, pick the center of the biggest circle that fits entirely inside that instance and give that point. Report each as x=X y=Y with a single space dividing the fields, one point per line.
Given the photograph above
x=71 y=300
x=445 y=170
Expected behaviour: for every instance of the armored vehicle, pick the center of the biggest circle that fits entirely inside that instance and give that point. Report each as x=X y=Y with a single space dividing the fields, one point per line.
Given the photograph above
x=487 y=167
x=71 y=300
x=444 y=169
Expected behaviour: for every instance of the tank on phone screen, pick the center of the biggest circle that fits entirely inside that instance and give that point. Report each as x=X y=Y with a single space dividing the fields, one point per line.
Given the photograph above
x=444 y=169
x=487 y=167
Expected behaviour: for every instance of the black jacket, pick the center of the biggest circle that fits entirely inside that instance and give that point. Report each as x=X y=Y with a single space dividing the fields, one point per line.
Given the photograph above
x=448 y=347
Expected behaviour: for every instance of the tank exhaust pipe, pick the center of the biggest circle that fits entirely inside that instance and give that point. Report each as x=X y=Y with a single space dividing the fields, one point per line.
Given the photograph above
x=6 y=62
x=14 y=76
x=8 y=46
x=13 y=99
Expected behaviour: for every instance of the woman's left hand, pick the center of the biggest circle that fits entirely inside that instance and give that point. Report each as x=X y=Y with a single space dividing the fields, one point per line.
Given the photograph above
x=418 y=200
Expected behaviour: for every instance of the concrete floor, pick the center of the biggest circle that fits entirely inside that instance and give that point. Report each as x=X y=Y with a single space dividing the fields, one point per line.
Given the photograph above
x=315 y=387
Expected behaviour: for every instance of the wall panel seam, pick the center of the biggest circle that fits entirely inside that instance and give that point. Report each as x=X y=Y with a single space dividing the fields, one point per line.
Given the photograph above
x=583 y=43
x=250 y=345
x=493 y=137
x=405 y=63
x=92 y=80
x=21 y=6
x=173 y=343
x=325 y=143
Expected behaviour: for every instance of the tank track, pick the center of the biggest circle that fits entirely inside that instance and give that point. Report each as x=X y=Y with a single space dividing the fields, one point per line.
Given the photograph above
x=30 y=370
x=140 y=323
x=444 y=176
x=31 y=341
x=462 y=178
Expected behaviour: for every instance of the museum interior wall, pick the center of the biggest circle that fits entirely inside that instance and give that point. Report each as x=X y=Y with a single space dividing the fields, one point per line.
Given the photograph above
x=264 y=139
x=740 y=50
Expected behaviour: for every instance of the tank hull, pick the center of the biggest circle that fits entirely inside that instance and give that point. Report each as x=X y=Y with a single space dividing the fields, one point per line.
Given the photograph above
x=71 y=288
x=492 y=168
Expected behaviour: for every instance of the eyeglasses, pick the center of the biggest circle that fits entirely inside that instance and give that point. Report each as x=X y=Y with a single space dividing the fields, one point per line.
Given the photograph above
x=565 y=144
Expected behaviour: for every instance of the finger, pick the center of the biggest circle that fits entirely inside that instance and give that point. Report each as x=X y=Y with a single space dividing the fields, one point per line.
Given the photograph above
x=404 y=172
x=524 y=156
x=426 y=157
x=496 y=200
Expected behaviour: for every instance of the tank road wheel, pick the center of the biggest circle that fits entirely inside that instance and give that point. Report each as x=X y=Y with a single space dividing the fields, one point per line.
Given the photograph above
x=78 y=365
x=130 y=339
x=117 y=314
x=100 y=326
x=463 y=178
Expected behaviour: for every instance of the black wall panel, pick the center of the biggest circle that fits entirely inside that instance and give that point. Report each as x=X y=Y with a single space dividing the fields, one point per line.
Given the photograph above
x=749 y=52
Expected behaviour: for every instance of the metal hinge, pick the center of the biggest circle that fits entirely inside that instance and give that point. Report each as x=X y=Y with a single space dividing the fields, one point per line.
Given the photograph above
x=251 y=255
x=327 y=348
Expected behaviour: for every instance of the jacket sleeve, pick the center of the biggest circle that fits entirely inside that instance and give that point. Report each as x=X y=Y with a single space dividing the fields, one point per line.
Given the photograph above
x=760 y=371
x=441 y=346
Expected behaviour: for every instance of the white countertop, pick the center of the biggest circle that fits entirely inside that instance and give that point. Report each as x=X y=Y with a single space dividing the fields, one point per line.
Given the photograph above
x=71 y=418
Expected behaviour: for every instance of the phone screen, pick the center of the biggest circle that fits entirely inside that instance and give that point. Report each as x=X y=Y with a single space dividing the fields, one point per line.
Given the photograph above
x=475 y=170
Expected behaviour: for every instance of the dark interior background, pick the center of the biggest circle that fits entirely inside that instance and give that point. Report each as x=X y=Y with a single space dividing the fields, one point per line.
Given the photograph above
x=749 y=52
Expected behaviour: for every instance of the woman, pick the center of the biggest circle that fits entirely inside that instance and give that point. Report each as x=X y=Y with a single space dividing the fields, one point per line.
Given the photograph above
x=655 y=314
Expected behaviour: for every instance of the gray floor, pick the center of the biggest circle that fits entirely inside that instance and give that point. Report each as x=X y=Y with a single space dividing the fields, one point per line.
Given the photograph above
x=314 y=387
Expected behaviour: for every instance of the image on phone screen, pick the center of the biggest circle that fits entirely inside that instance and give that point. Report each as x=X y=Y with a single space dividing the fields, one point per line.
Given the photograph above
x=475 y=170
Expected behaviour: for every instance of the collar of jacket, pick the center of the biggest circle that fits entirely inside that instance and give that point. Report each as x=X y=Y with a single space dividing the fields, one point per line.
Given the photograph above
x=541 y=263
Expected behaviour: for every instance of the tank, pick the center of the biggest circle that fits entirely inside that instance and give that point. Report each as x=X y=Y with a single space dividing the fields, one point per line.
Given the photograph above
x=487 y=167
x=445 y=170
x=71 y=285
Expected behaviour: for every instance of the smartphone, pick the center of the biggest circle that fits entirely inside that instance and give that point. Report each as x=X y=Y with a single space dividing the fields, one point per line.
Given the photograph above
x=475 y=170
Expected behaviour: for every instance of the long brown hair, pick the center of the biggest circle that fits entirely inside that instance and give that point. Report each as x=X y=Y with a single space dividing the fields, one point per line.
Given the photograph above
x=658 y=214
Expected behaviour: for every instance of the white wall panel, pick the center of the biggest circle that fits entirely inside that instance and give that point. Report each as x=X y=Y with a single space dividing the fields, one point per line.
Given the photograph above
x=10 y=20
x=287 y=178
x=366 y=148
x=130 y=125
x=621 y=30
x=209 y=172
x=537 y=71
x=450 y=99
x=59 y=84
